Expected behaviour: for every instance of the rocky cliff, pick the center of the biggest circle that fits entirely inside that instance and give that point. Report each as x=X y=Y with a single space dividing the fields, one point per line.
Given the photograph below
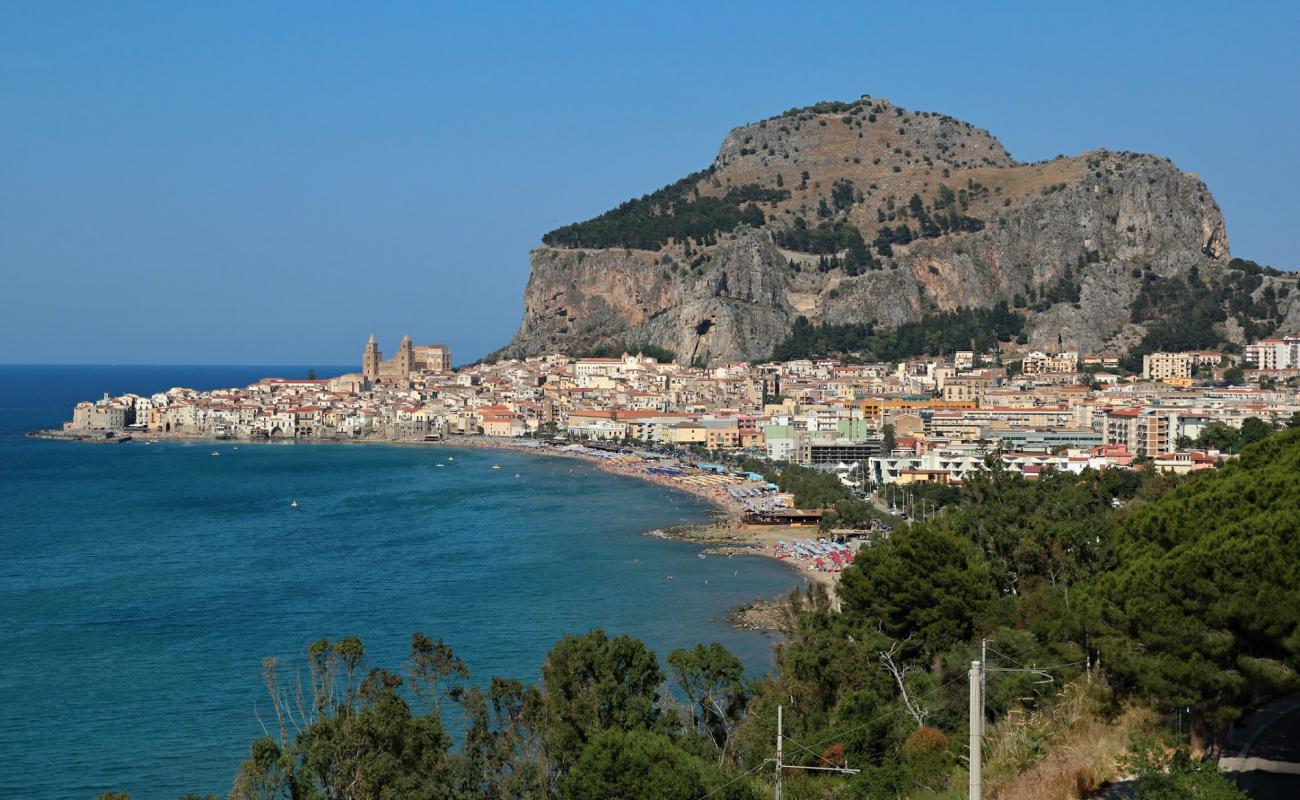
x=867 y=212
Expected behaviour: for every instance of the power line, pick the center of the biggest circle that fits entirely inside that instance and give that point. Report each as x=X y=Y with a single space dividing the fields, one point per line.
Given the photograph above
x=879 y=717
x=841 y=734
x=746 y=773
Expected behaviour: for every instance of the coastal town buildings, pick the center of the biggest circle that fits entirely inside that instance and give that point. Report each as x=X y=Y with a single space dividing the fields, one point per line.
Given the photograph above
x=922 y=420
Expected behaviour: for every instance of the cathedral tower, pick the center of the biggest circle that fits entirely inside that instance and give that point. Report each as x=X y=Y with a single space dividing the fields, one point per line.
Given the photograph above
x=370 y=359
x=405 y=359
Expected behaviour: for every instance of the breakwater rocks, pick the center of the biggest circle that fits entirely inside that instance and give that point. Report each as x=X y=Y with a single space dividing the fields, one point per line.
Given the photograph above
x=763 y=615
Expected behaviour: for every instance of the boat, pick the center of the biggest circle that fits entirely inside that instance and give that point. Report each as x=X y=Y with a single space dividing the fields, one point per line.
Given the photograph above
x=215 y=453
x=451 y=458
x=442 y=465
x=293 y=504
x=496 y=466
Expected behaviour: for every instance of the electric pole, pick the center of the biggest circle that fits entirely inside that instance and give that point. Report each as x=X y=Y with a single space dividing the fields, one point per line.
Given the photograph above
x=780 y=764
x=976 y=727
x=779 y=738
x=984 y=674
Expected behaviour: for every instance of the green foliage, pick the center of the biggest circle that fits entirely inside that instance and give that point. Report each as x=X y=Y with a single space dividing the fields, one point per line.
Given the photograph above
x=641 y=765
x=934 y=222
x=842 y=194
x=361 y=739
x=829 y=238
x=592 y=683
x=923 y=584
x=933 y=334
x=1054 y=531
x=676 y=212
x=1182 y=313
x=1165 y=773
x=1221 y=436
x=709 y=677
x=1179 y=314
x=1203 y=608
x=813 y=488
x=661 y=354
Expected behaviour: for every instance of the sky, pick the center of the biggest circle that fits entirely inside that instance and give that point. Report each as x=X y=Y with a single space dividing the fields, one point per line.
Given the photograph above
x=271 y=183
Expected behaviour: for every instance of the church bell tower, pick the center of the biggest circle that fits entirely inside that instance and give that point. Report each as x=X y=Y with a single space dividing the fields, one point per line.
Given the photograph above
x=370 y=359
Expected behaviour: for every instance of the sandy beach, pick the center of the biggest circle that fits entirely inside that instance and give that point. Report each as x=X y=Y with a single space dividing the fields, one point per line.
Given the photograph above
x=725 y=536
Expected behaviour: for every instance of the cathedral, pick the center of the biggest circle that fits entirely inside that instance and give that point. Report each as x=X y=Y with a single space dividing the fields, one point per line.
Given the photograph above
x=410 y=360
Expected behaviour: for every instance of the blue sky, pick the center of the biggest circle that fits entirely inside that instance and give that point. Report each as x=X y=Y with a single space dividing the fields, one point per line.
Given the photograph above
x=270 y=183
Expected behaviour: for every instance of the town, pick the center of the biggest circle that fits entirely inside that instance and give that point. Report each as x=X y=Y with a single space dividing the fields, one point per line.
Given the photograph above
x=932 y=420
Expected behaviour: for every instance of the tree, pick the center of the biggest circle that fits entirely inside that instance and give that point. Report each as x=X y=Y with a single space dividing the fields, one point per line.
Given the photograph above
x=592 y=683
x=890 y=441
x=922 y=586
x=431 y=668
x=710 y=678
x=503 y=755
x=1253 y=429
x=311 y=374
x=1203 y=609
x=633 y=765
x=842 y=194
x=1218 y=435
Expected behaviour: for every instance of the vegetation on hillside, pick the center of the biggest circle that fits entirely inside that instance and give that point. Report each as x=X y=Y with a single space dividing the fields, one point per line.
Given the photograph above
x=934 y=334
x=829 y=239
x=1187 y=313
x=677 y=212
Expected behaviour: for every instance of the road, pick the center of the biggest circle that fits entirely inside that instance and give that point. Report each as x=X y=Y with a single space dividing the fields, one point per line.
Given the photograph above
x=1263 y=752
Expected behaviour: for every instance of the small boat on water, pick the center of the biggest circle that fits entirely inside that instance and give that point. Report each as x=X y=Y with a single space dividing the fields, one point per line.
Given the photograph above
x=293 y=504
x=216 y=453
x=451 y=458
x=442 y=465
x=496 y=466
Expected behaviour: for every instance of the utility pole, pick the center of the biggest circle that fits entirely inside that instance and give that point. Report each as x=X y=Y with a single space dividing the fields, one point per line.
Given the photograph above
x=780 y=764
x=976 y=727
x=984 y=675
x=779 y=738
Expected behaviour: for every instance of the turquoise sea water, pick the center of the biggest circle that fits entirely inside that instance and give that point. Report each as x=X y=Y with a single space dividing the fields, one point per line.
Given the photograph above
x=140 y=585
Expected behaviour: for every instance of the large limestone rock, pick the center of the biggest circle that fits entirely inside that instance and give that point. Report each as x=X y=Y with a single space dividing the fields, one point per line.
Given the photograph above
x=1096 y=221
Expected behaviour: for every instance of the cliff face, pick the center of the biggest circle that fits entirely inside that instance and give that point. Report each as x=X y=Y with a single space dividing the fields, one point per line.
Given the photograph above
x=982 y=228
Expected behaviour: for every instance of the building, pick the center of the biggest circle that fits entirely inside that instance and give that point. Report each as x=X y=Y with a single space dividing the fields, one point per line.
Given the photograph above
x=1281 y=353
x=830 y=452
x=1143 y=431
x=410 y=360
x=1160 y=366
x=1040 y=363
x=432 y=358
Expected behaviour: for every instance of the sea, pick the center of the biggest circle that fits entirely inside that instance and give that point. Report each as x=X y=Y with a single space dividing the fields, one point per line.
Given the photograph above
x=142 y=584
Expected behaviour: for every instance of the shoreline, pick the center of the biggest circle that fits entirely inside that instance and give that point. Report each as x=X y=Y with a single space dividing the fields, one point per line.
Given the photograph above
x=724 y=537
